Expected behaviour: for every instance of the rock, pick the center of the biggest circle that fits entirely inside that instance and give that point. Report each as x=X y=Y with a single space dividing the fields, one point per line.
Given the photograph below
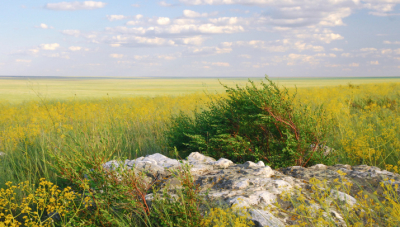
x=221 y=163
x=258 y=188
x=263 y=218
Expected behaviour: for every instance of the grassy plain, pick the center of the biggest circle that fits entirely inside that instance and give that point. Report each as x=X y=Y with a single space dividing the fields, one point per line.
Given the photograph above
x=131 y=121
x=20 y=89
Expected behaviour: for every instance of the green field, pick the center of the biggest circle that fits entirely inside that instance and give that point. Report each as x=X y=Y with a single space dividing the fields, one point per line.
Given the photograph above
x=19 y=89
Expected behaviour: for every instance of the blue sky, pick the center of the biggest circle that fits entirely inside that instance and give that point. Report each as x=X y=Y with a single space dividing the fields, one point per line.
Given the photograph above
x=200 y=38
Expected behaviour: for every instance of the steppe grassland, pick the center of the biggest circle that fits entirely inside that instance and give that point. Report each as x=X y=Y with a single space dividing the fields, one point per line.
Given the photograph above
x=364 y=122
x=364 y=118
x=17 y=90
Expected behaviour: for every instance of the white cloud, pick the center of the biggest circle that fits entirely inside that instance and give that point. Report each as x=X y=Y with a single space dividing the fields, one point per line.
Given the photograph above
x=227 y=20
x=58 y=55
x=115 y=44
x=245 y=56
x=75 y=5
x=116 y=17
x=116 y=55
x=43 y=26
x=195 y=40
x=303 y=46
x=397 y=51
x=135 y=5
x=354 y=65
x=23 y=60
x=368 y=49
x=74 y=48
x=325 y=55
x=332 y=65
x=166 y=57
x=33 y=51
x=347 y=55
x=163 y=3
x=224 y=64
x=391 y=42
x=193 y=14
x=75 y=33
x=336 y=49
x=132 y=40
x=163 y=21
x=50 y=46
x=374 y=62
x=140 y=57
x=223 y=48
x=324 y=37
x=386 y=51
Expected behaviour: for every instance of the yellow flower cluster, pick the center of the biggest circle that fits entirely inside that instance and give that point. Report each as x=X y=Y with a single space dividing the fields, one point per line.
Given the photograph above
x=234 y=216
x=29 y=121
x=38 y=208
x=365 y=121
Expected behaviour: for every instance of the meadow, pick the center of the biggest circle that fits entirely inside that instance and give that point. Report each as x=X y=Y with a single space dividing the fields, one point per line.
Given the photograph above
x=41 y=119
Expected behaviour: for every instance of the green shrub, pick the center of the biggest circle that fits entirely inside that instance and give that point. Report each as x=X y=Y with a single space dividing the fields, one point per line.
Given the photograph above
x=253 y=123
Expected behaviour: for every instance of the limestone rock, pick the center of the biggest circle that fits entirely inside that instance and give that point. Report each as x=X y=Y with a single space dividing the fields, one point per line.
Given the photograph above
x=258 y=188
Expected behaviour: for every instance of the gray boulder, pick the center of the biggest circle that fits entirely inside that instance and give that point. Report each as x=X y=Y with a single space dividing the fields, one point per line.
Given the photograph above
x=258 y=188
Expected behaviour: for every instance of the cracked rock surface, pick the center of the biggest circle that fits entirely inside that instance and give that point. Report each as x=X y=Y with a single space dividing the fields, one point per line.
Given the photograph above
x=257 y=187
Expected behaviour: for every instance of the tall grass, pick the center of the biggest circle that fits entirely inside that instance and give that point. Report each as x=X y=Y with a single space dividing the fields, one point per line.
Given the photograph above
x=363 y=129
x=365 y=122
x=30 y=132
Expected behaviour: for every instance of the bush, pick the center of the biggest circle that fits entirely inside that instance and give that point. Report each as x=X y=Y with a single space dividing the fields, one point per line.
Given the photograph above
x=251 y=124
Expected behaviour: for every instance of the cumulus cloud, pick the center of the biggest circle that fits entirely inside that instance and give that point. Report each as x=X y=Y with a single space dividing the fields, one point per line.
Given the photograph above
x=222 y=48
x=163 y=21
x=280 y=45
x=50 y=46
x=337 y=49
x=116 y=17
x=347 y=55
x=135 y=5
x=368 y=49
x=391 y=42
x=245 y=56
x=165 y=4
x=23 y=60
x=386 y=51
x=75 y=33
x=374 y=62
x=74 y=48
x=63 y=55
x=44 y=26
x=133 y=40
x=354 y=65
x=166 y=57
x=221 y=64
x=75 y=5
x=193 y=14
x=116 y=55
x=224 y=64
x=194 y=40
x=168 y=28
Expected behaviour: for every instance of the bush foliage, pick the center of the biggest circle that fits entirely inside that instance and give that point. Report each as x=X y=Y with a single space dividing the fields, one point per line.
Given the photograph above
x=253 y=123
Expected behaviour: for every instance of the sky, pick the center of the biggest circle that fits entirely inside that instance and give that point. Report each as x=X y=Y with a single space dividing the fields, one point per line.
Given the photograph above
x=200 y=38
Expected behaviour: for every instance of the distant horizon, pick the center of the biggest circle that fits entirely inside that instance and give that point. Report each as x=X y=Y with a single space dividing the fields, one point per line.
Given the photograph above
x=161 y=77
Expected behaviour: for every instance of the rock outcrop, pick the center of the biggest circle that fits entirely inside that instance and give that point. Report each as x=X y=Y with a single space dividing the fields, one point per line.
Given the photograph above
x=259 y=189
